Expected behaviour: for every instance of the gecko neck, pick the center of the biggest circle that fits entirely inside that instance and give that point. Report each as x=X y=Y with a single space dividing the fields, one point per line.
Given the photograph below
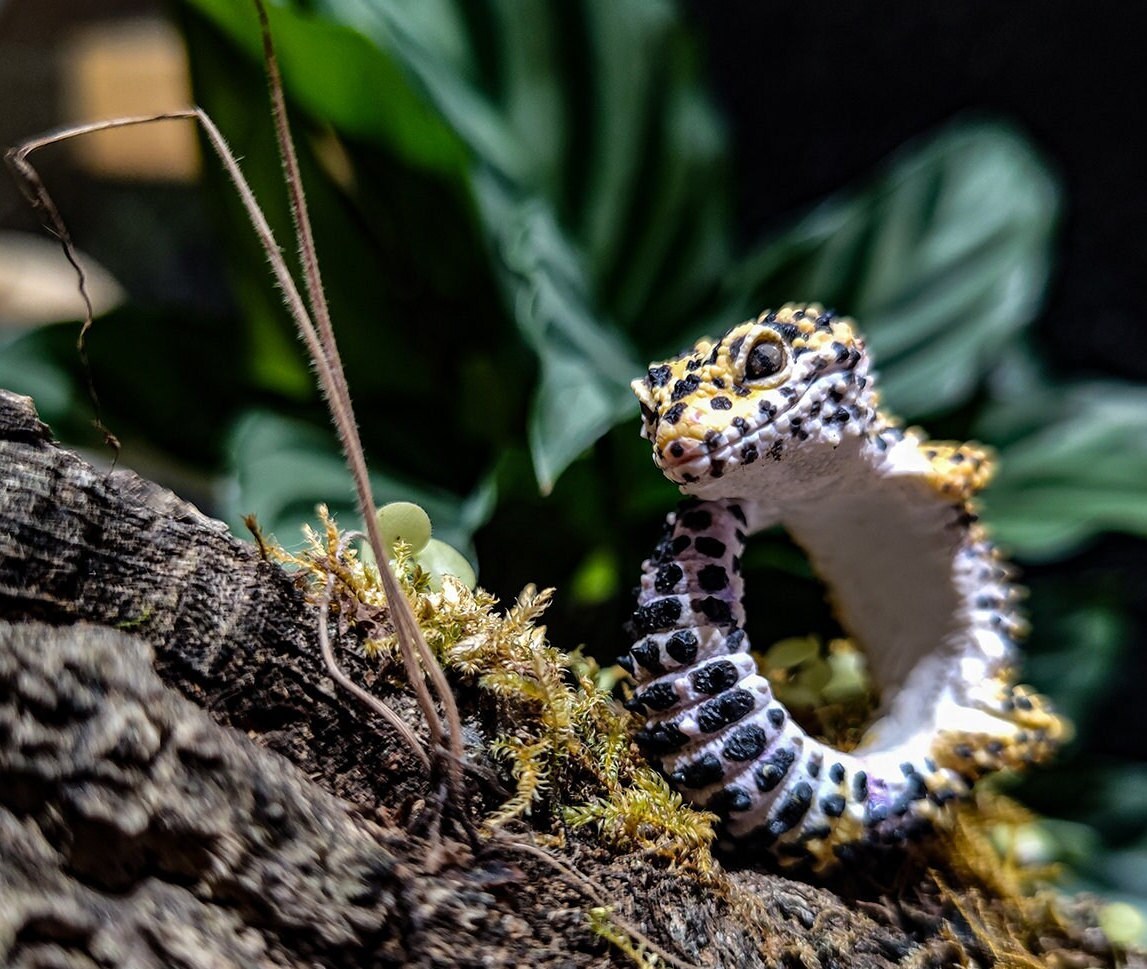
x=908 y=574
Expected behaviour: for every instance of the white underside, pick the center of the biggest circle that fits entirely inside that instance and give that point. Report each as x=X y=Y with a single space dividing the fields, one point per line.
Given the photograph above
x=886 y=546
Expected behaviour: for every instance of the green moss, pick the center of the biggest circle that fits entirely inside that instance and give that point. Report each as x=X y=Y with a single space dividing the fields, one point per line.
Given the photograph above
x=603 y=925
x=563 y=739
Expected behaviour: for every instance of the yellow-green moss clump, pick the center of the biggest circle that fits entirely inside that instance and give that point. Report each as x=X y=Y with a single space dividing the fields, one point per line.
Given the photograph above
x=564 y=740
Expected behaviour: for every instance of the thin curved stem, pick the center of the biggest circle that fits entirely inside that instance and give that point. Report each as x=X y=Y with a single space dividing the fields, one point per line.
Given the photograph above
x=368 y=699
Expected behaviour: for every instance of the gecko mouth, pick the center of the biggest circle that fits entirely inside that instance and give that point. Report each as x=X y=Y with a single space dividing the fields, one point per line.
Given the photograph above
x=690 y=457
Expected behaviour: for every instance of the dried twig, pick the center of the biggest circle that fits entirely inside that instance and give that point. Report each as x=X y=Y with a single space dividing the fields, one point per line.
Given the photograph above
x=417 y=656
x=318 y=337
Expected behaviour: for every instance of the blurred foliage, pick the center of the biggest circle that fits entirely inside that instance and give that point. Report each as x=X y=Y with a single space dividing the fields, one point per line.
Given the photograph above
x=517 y=204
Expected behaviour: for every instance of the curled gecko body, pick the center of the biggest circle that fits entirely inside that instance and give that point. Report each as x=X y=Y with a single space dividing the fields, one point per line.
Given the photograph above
x=778 y=423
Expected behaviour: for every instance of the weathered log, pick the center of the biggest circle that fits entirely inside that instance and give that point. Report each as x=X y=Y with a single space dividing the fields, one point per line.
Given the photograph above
x=230 y=630
x=189 y=788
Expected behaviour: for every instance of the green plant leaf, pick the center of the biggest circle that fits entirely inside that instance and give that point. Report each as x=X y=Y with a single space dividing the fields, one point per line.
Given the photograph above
x=620 y=141
x=1078 y=638
x=428 y=41
x=616 y=152
x=1076 y=467
x=651 y=209
x=27 y=368
x=335 y=73
x=542 y=146
x=404 y=267
x=585 y=367
x=943 y=259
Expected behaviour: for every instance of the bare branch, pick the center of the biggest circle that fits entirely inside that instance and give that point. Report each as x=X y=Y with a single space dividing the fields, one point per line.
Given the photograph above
x=34 y=190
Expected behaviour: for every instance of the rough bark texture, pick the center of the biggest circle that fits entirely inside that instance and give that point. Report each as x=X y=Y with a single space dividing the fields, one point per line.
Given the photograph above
x=180 y=784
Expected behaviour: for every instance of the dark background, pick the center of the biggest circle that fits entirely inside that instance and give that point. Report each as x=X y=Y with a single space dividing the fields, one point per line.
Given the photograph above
x=816 y=94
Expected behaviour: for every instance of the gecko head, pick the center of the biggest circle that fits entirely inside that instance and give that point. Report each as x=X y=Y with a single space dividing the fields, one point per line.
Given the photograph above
x=787 y=385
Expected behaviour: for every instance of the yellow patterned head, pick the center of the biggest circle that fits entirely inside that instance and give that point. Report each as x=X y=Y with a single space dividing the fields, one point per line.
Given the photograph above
x=762 y=392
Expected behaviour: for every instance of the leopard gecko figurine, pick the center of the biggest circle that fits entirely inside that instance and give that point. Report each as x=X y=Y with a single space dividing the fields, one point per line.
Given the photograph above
x=778 y=423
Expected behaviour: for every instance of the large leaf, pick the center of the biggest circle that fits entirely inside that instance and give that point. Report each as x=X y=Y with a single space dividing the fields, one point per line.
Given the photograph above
x=594 y=108
x=428 y=41
x=578 y=142
x=414 y=302
x=1073 y=464
x=647 y=194
x=335 y=73
x=608 y=165
x=943 y=259
x=585 y=367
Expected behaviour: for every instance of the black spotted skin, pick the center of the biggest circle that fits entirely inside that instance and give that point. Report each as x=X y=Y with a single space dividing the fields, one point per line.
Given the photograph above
x=778 y=423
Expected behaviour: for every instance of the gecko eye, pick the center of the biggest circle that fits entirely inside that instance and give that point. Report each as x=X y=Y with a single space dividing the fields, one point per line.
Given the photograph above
x=764 y=360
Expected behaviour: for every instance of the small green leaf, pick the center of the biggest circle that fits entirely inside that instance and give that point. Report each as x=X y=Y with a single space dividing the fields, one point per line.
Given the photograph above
x=943 y=259
x=440 y=559
x=403 y=521
x=1124 y=922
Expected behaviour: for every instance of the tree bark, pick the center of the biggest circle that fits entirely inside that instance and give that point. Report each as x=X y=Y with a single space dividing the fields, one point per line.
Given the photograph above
x=181 y=784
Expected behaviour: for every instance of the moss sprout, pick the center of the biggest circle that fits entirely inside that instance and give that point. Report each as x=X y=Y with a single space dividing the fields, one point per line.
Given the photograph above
x=563 y=739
